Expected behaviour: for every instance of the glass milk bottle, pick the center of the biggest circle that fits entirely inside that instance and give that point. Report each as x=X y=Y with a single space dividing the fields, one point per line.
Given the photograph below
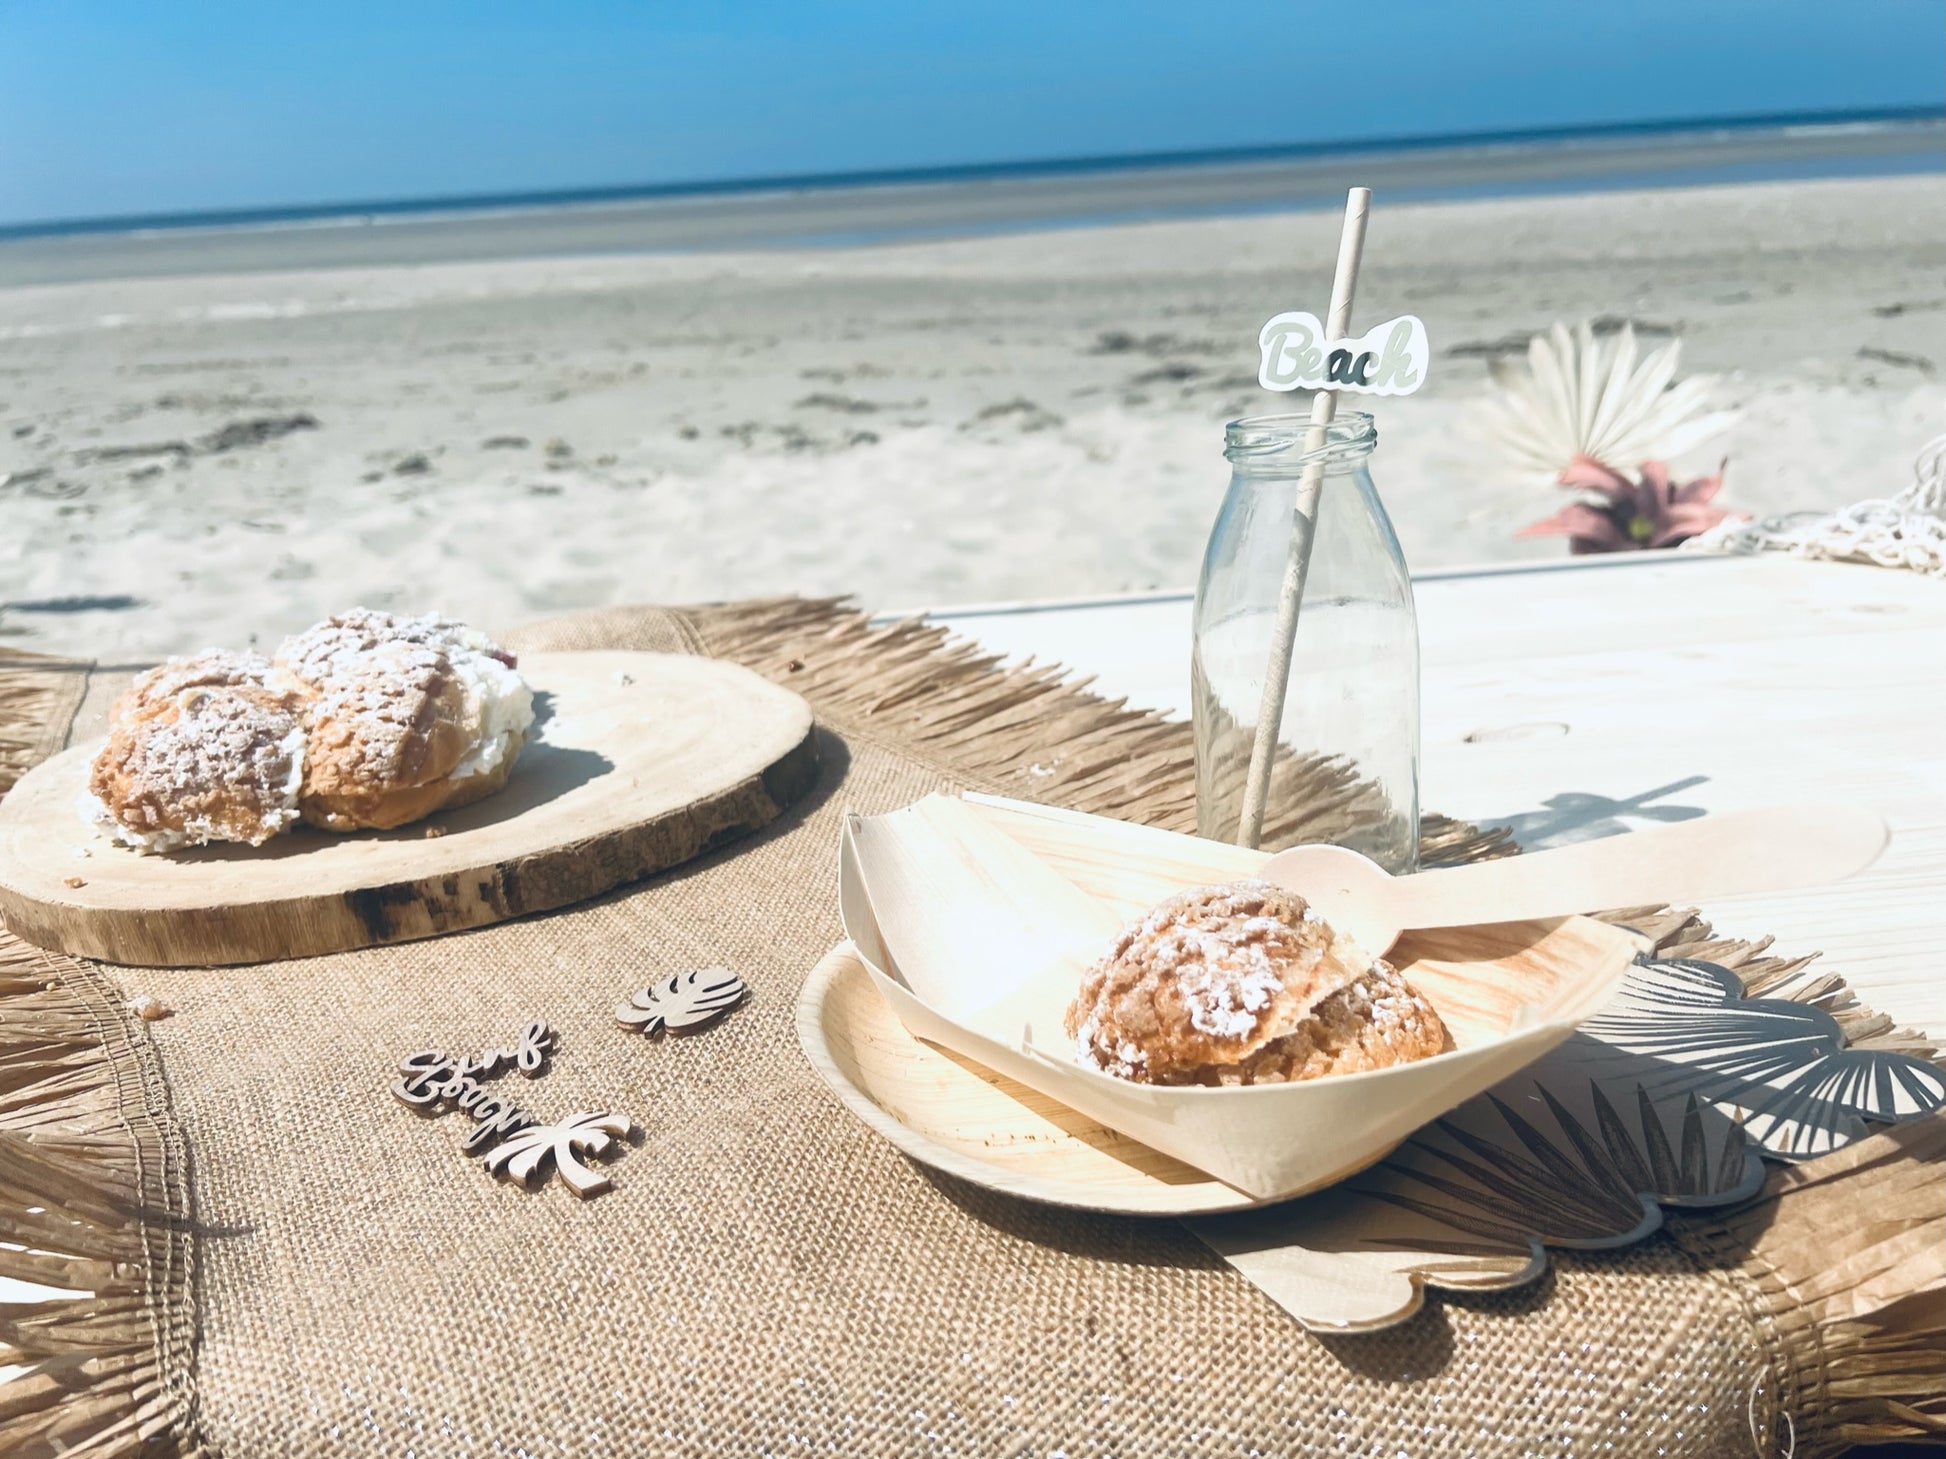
x=1346 y=765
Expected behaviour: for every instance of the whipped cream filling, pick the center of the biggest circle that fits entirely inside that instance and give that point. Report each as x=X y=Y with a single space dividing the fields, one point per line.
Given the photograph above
x=294 y=746
x=95 y=811
x=499 y=701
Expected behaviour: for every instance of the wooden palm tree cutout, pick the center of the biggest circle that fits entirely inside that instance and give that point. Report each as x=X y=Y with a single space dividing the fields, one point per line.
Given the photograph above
x=585 y=1131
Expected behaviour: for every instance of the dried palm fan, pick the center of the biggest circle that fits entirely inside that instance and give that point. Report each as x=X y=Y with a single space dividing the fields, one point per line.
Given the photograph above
x=1907 y=530
x=1588 y=395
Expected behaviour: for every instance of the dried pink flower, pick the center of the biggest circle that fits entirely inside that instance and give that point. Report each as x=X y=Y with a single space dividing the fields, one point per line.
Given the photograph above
x=1619 y=515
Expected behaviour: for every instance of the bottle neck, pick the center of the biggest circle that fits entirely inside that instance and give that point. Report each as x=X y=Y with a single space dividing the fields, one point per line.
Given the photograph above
x=1290 y=445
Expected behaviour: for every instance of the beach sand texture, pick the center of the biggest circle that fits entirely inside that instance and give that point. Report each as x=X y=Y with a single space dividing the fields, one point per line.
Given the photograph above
x=223 y=458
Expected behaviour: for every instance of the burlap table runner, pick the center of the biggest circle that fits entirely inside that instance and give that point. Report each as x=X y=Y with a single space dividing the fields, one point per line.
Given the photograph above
x=284 y=1262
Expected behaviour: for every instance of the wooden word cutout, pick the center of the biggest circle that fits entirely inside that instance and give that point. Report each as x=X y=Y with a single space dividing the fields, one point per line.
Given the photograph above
x=529 y=1056
x=685 y=1001
x=1388 y=359
x=583 y=1131
x=434 y=1083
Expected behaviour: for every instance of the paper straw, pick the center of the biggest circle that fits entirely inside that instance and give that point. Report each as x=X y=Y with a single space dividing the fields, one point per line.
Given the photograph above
x=1324 y=405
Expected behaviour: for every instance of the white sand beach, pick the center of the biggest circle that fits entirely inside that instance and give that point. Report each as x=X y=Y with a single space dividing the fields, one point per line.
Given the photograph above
x=220 y=458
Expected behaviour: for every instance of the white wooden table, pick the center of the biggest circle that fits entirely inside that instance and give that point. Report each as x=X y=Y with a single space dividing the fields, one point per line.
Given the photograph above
x=1604 y=694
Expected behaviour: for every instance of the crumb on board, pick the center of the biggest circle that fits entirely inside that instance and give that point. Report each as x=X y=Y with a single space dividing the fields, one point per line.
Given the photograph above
x=149 y=1008
x=73 y=881
x=434 y=832
x=623 y=678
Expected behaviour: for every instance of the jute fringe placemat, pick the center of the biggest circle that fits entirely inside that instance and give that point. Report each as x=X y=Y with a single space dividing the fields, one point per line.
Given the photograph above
x=282 y=1261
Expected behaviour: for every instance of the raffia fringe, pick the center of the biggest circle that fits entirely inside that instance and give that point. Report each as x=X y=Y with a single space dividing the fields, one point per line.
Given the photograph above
x=85 y=1188
x=24 y=701
x=1025 y=730
x=1681 y=932
x=37 y=697
x=1845 y=1264
x=90 y=1187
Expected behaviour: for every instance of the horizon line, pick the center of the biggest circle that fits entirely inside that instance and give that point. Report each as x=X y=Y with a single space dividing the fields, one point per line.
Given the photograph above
x=1926 y=119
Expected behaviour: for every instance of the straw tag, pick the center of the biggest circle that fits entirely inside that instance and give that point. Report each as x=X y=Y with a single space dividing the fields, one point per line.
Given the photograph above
x=1388 y=359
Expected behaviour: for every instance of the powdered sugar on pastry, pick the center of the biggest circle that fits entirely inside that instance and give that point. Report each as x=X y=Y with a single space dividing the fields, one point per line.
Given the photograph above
x=388 y=715
x=1244 y=984
x=351 y=649
x=365 y=720
x=407 y=716
x=200 y=749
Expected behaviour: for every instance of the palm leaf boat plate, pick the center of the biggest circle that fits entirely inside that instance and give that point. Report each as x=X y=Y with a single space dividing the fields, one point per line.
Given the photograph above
x=975 y=920
x=1527 y=1134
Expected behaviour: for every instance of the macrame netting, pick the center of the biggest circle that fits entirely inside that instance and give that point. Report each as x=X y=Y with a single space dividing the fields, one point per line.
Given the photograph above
x=1908 y=530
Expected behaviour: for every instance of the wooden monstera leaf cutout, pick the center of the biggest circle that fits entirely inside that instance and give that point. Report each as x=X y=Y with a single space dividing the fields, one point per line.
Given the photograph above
x=687 y=1000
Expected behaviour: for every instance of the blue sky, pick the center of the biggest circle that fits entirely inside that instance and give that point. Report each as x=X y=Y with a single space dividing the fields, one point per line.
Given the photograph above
x=118 y=108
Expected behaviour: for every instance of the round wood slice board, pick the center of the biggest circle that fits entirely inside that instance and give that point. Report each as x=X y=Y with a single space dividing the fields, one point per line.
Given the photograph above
x=637 y=763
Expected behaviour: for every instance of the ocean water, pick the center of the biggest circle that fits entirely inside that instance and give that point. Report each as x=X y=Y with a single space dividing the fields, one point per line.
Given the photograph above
x=846 y=211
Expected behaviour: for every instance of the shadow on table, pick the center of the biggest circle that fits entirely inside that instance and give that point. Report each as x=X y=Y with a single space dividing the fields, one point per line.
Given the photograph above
x=1575 y=815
